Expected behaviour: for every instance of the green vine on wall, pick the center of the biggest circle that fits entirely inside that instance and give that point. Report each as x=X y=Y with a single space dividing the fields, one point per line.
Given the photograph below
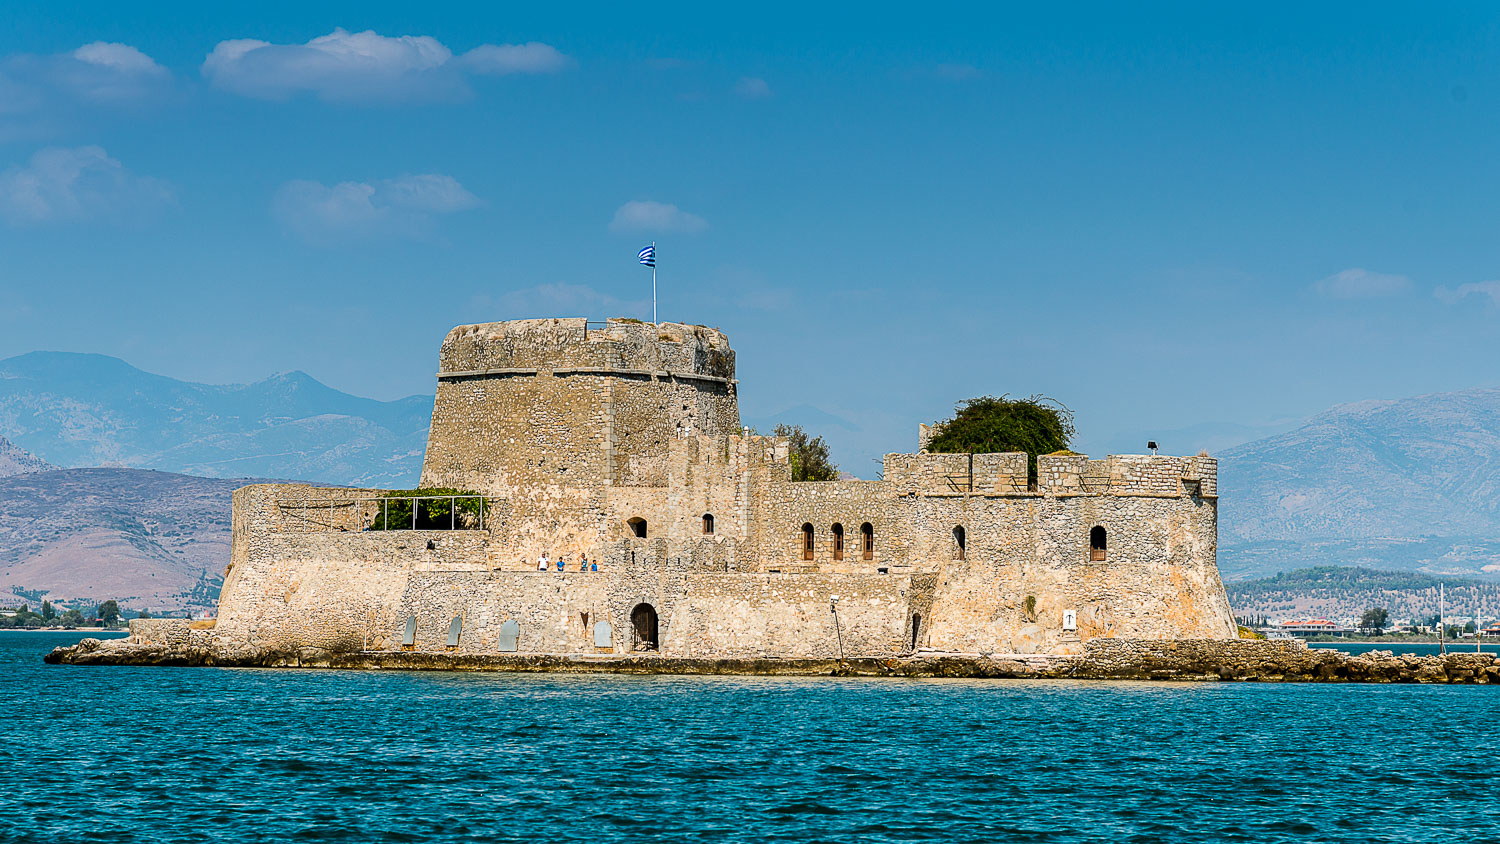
x=435 y=509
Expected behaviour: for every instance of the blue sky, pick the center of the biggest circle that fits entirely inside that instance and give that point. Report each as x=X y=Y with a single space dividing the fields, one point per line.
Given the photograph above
x=1187 y=224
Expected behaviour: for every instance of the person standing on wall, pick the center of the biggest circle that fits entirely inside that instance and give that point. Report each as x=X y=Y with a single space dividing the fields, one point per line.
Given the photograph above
x=541 y=562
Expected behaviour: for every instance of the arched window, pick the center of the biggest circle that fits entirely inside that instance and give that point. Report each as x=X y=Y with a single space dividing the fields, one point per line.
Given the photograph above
x=638 y=527
x=708 y=523
x=1097 y=540
x=807 y=541
x=838 y=541
x=867 y=541
x=960 y=542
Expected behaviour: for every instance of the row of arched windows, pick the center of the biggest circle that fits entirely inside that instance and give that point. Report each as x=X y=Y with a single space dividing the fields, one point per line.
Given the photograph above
x=1098 y=539
x=866 y=541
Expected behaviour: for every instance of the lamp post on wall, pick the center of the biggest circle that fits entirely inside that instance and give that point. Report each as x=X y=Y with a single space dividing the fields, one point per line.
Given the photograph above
x=833 y=607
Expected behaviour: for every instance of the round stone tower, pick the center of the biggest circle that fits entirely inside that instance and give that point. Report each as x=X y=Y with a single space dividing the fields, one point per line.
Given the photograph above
x=555 y=410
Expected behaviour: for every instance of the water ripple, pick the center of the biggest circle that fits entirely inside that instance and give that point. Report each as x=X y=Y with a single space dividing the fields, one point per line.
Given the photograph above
x=187 y=755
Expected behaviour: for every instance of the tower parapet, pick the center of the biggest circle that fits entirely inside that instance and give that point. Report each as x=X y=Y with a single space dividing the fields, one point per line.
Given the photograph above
x=565 y=346
x=562 y=408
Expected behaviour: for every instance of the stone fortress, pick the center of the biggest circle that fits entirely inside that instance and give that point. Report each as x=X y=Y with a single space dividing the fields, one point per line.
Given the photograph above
x=622 y=441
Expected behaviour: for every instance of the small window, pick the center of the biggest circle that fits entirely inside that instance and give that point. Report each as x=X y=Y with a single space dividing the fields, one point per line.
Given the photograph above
x=807 y=541
x=960 y=542
x=708 y=524
x=838 y=541
x=867 y=541
x=1097 y=547
x=638 y=527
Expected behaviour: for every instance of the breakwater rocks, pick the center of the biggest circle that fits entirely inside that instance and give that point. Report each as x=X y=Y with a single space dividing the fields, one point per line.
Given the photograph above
x=1102 y=659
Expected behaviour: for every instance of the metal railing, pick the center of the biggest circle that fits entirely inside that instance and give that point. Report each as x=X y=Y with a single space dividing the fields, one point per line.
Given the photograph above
x=307 y=509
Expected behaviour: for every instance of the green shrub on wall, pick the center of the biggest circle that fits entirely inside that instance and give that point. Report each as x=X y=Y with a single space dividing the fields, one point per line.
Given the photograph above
x=435 y=510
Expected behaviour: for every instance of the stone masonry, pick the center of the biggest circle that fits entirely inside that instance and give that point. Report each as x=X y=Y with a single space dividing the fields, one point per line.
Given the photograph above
x=622 y=441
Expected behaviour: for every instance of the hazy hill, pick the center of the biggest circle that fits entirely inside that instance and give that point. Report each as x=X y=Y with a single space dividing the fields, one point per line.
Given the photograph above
x=18 y=461
x=1346 y=592
x=1409 y=484
x=148 y=539
x=93 y=410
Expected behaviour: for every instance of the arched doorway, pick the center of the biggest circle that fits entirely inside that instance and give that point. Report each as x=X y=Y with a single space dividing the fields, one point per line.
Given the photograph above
x=1098 y=544
x=916 y=629
x=807 y=541
x=643 y=628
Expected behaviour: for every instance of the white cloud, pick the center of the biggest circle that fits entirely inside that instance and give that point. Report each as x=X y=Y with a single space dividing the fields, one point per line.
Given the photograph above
x=1356 y=283
x=100 y=73
x=503 y=59
x=637 y=216
x=752 y=88
x=367 y=67
x=68 y=185
x=407 y=206
x=1463 y=291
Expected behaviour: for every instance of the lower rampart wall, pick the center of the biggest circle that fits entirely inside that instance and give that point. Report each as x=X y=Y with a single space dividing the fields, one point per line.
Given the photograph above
x=336 y=591
x=698 y=614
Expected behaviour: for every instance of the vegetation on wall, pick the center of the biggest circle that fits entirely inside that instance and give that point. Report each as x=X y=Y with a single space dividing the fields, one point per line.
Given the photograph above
x=809 y=455
x=994 y=424
x=435 y=510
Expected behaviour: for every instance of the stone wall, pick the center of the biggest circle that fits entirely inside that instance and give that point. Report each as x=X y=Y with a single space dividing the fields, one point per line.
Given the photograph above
x=699 y=615
x=1158 y=580
x=290 y=587
x=578 y=432
x=551 y=416
x=169 y=632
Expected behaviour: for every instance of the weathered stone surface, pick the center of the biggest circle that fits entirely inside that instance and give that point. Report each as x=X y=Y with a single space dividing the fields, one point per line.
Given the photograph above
x=579 y=431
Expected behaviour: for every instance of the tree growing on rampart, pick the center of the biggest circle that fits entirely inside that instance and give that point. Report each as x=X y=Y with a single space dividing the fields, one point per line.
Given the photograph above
x=808 y=455
x=993 y=424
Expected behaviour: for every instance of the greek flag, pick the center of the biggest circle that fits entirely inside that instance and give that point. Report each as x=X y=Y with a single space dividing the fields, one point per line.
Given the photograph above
x=648 y=256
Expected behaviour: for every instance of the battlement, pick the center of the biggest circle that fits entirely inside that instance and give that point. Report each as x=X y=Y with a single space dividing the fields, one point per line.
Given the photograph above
x=622 y=441
x=1057 y=474
x=576 y=346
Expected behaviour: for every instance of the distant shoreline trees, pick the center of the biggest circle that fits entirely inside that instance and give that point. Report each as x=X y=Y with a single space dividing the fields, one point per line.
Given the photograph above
x=1375 y=618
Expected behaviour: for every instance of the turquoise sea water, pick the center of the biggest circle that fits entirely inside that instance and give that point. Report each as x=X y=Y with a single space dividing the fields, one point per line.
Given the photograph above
x=144 y=754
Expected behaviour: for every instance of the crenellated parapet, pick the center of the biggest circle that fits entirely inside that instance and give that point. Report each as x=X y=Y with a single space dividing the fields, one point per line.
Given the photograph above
x=1128 y=474
x=568 y=346
x=620 y=441
x=927 y=474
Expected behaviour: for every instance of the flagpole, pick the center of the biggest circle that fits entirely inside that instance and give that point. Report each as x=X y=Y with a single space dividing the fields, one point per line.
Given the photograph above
x=653 y=282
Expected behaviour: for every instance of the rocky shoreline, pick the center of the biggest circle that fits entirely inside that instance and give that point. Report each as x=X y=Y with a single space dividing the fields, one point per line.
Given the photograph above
x=1102 y=659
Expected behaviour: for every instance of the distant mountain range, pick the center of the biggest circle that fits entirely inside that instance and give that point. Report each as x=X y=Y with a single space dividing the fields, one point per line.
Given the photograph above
x=1411 y=484
x=77 y=410
x=151 y=540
